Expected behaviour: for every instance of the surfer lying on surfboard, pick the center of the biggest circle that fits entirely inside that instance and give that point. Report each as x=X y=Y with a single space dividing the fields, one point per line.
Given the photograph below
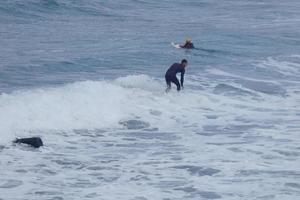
x=188 y=44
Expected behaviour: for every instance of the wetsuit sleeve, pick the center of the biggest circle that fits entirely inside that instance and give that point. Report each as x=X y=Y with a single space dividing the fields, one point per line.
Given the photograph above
x=182 y=77
x=183 y=45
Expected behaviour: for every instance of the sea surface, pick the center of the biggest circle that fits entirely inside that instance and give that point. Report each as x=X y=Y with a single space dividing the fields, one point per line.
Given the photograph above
x=88 y=78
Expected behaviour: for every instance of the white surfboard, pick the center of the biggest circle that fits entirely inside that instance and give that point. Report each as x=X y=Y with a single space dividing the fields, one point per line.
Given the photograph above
x=177 y=46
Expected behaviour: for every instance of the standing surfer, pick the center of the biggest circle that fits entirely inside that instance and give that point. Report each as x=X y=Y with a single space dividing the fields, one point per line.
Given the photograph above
x=171 y=75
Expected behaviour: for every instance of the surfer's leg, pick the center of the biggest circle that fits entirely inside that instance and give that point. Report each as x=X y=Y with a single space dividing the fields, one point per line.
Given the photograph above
x=168 y=81
x=176 y=82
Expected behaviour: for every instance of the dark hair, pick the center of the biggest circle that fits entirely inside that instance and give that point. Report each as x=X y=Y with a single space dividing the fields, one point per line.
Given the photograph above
x=184 y=61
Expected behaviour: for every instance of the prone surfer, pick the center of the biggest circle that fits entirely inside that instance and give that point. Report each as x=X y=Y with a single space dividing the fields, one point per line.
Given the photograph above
x=171 y=75
x=188 y=44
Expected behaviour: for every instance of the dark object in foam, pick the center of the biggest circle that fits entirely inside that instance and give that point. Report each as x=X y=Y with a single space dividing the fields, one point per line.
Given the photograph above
x=35 y=142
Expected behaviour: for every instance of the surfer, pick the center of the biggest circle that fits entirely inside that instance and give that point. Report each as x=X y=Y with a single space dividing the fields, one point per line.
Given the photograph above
x=171 y=75
x=188 y=44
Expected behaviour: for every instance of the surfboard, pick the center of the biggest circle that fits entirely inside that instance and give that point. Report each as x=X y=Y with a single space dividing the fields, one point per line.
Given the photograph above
x=177 y=46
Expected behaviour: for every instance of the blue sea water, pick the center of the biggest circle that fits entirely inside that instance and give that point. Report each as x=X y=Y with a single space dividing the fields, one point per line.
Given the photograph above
x=88 y=78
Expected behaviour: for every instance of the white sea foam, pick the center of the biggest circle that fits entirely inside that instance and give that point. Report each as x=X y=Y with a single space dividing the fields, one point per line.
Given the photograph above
x=103 y=104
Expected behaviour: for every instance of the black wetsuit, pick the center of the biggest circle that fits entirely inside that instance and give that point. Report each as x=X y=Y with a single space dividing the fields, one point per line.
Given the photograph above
x=171 y=76
x=188 y=45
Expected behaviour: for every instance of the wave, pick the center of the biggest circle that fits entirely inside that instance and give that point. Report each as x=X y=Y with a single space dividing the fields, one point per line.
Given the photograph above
x=83 y=105
x=227 y=89
x=130 y=102
x=285 y=66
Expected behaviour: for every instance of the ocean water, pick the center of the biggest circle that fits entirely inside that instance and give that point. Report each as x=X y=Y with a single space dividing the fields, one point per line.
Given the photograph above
x=88 y=78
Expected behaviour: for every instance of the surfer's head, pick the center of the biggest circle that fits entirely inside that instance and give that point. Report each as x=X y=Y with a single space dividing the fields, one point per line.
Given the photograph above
x=188 y=40
x=184 y=62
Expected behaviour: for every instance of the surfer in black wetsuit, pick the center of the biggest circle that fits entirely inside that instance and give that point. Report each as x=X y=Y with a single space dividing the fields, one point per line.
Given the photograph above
x=188 y=44
x=171 y=75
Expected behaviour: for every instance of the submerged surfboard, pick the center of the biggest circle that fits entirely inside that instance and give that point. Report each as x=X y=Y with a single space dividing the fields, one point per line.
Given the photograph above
x=177 y=46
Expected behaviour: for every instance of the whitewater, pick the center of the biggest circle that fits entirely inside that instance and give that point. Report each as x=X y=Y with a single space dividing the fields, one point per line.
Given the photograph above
x=88 y=78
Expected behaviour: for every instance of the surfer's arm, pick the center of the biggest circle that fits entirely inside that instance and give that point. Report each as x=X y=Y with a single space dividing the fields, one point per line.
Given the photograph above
x=182 y=78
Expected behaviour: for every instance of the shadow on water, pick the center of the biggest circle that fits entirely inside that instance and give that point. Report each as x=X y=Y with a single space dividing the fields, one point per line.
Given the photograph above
x=193 y=192
x=134 y=124
x=199 y=171
x=213 y=51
